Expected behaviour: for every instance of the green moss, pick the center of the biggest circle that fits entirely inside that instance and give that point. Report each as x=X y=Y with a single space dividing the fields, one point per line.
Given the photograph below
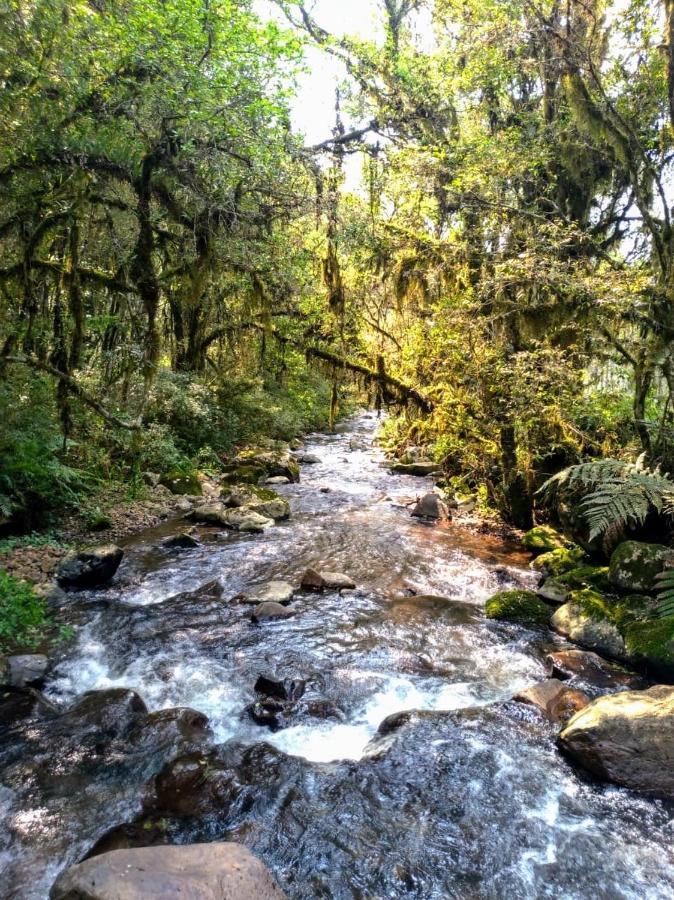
x=245 y=474
x=635 y=565
x=183 y=483
x=651 y=643
x=523 y=607
x=542 y=539
x=557 y=562
x=587 y=576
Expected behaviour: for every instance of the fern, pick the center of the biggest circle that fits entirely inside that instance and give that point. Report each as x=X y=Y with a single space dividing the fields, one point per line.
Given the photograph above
x=620 y=494
x=665 y=593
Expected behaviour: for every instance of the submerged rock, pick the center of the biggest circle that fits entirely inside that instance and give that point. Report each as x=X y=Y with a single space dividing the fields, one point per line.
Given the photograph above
x=287 y=689
x=274 y=591
x=89 y=568
x=316 y=582
x=431 y=506
x=269 y=610
x=587 y=666
x=627 y=738
x=213 y=871
x=542 y=539
x=523 y=607
x=183 y=541
x=556 y=700
x=634 y=566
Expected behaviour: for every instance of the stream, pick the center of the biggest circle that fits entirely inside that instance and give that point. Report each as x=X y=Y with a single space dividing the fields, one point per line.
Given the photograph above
x=467 y=798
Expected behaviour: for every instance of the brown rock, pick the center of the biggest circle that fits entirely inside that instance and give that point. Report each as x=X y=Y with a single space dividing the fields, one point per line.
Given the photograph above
x=218 y=871
x=554 y=699
x=627 y=738
x=590 y=667
x=271 y=610
x=312 y=581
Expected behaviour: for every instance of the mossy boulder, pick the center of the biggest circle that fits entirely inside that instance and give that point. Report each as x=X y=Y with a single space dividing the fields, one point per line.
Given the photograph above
x=233 y=474
x=650 y=643
x=586 y=577
x=523 y=607
x=258 y=499
x=542 y=539
x=635 y=566
x=272 y=463
x=622 y=627
x=183 y=483
x=556 y=562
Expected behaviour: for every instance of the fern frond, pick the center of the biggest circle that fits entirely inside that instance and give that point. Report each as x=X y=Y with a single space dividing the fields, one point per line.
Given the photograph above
x=665 y=593
x=619 y=493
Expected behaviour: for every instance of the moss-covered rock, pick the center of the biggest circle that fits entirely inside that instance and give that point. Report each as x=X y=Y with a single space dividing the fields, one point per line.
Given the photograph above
x=619 y=626
x=650 y=643
x=635 y=566
x=542 y=539
x=523 y=607
x=183 y=483
x=233 y=474
x=556 y=562
x=258 y=499
x=587 y=577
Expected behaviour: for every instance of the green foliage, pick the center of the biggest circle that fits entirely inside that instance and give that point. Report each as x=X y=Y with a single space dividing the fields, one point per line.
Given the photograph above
x=615 y=493
x=34 y=481
x=23 y=617
x=665 y=592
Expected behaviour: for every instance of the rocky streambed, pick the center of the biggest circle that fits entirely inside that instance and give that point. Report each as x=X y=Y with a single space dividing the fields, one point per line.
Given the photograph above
x=365 y=743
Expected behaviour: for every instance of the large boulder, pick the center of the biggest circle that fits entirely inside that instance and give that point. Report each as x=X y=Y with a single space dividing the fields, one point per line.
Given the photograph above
x=237 y=519
x=634 y=566
x=627 y=738
x=217 y=871
x=431 y=506
x=89 y=568
x=258 y=499
x=270 y=463
x=523 y=607
x=542 y=539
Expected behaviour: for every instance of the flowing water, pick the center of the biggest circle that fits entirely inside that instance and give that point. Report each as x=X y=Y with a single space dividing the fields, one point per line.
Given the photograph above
x=470 y=798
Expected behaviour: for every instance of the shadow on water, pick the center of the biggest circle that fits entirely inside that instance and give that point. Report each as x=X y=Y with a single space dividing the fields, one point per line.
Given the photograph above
x=467 y=798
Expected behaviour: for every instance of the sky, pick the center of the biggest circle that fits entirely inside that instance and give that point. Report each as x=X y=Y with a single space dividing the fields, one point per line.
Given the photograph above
x=313 y=110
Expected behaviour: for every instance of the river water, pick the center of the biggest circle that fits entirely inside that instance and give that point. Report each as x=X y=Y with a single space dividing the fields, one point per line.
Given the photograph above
x=468 y=799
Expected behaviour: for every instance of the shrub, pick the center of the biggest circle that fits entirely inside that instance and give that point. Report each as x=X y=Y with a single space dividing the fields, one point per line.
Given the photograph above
x=23 y=617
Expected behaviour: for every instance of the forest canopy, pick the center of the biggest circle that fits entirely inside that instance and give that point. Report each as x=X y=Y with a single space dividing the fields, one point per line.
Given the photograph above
x=181 y=273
